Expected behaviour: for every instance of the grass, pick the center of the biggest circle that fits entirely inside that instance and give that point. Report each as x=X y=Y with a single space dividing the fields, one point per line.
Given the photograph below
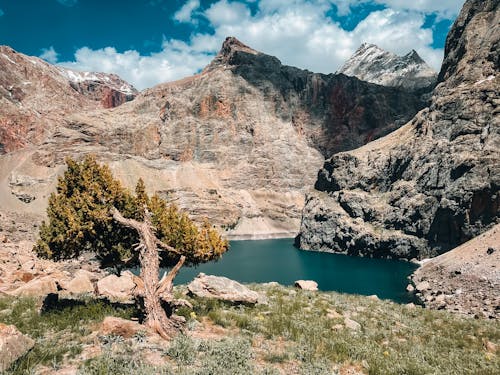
x=57 y=331
x=297 y=332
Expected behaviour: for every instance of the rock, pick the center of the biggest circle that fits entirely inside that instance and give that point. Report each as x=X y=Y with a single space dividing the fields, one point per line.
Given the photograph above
x=39 y=287
x=465 y=279
x=432 y=184
x=490 y=346
x=120 y=327
x=222 y=288
x=374 y=297
x=306 y=285
x=410 y=305
x=410 y=288
x=424 y=285
x=333 y=314
x=13 y=345
x=372 y=64
x=119 y=289
x=352 y=324
x=80 y=284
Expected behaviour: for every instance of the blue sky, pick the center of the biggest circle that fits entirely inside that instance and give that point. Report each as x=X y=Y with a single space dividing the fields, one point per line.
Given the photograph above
x=152 y=41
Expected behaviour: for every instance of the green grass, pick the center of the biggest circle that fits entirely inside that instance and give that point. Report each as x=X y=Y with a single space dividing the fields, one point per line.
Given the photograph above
x=298 y=330
x=57 y=332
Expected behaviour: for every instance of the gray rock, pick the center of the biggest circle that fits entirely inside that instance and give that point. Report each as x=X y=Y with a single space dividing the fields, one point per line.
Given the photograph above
x=222 y=288
x=13 y=345
x=432 y=184
x=352 y=324
x=306 y=285
x=119 y=289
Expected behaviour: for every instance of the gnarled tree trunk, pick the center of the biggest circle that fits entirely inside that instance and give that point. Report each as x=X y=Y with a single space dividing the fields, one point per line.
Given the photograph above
x=149 y=287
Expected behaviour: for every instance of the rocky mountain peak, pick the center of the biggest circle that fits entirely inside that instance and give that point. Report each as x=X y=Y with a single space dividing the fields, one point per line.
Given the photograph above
x=373 y=64
x=226 y=56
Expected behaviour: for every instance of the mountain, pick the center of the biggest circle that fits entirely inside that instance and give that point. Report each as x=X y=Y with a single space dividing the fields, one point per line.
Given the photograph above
x=432 y=184
x=372 y=64
x=35 y=96
x=239 y=143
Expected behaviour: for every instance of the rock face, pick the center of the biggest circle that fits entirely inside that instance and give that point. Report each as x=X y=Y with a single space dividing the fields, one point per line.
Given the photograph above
x=13 y=345
x=35 y=96
x=239 y=143
x=208 y=286
x=372 y=64
x=465 y=279
x=432 y=184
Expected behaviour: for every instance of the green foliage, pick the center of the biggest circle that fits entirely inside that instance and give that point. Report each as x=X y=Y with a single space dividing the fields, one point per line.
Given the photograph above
x=80 y=221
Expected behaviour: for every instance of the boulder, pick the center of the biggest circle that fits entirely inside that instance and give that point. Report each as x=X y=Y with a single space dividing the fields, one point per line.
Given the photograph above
x=424 y=285
x=80 y=284
x=120 y=327
x=13 y=345
x=218 y=287
x=352 y=324
x=307 y=285
x=117 y=288
x=39 y=287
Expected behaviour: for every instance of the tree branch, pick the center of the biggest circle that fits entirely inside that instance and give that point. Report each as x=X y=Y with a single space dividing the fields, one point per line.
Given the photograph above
x=167 y=283
x=131 y=223
x=166 y=247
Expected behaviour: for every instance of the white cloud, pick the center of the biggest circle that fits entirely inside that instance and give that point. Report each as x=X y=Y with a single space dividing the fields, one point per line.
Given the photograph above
x=298 y=32
x=49 y=54
x=177 y=59
x=185 y=14
x=68 y=3
x=226 y=13
x=443 y=8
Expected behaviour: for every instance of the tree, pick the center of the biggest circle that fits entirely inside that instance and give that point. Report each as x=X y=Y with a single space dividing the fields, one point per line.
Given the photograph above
x=92 y=212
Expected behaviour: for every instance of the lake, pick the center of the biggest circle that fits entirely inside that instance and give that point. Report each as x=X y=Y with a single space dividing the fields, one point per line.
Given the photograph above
x=278 y=260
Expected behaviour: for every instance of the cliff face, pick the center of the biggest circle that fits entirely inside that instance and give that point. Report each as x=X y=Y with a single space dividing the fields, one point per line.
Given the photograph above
x=239 y=143
x=372 y=64
x=432 y=184
x=35 y=96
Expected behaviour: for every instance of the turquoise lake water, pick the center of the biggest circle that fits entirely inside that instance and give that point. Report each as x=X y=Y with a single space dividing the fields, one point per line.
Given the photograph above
x=278 y=260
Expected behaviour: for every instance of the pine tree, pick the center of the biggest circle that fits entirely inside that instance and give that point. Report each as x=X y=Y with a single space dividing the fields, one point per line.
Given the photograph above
x=92 y=212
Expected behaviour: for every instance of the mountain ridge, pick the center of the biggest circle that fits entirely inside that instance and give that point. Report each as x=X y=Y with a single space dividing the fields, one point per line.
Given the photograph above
x=373 y=64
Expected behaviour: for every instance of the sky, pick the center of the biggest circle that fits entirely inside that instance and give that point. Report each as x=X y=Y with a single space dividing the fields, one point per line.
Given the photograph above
x=148 y=42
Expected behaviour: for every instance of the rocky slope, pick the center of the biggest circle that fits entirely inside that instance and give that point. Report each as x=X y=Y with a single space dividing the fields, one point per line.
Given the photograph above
x=238 y=143
x=372 y=64
x=432 y=184
x=35 y=96
x=465 y=279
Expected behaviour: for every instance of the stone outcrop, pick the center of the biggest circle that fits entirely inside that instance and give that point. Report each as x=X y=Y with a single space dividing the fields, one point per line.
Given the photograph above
x=222 y=288
x=239 y=143
x=121 y=327
x=13 y=345
x=464 y=280
x=432 y=184
x=372 y=64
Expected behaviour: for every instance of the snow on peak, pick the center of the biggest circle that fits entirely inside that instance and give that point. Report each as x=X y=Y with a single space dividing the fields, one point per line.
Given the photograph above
x=373 y=64
x=111 y=80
